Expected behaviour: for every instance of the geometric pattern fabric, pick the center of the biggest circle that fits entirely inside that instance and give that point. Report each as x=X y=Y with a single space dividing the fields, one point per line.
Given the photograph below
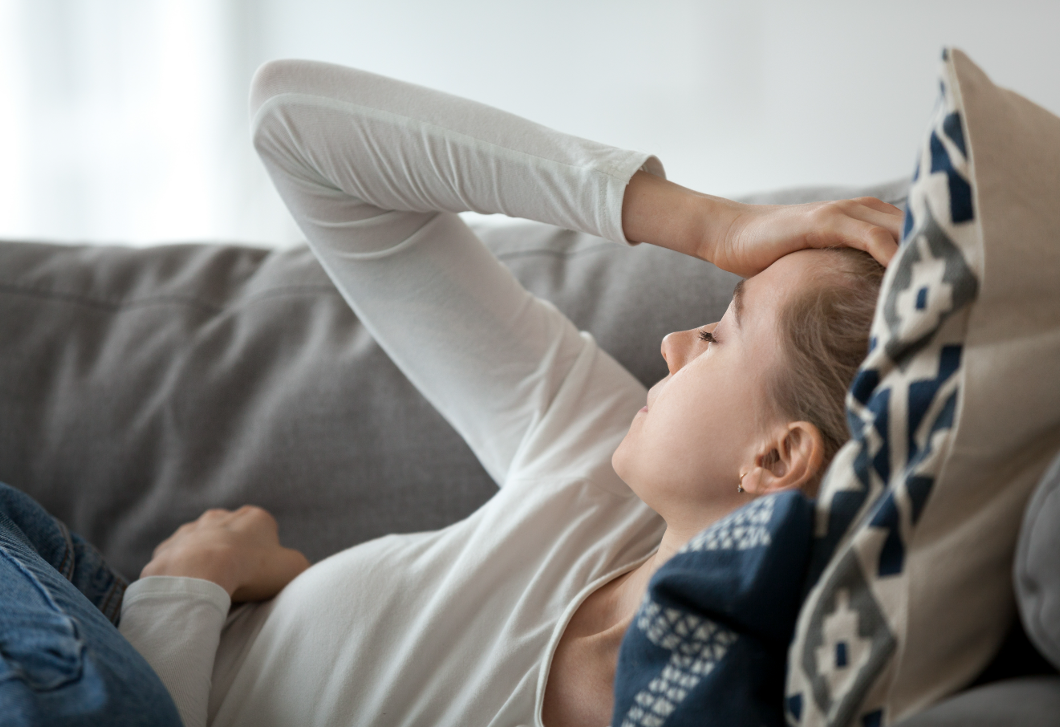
x=901 y=412
x=743 y=529
x=707 y=645
x=949 y=414
x=695 y=644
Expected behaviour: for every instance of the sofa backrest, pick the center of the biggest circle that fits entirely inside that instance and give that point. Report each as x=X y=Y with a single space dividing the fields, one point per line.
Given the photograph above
x=139 y=387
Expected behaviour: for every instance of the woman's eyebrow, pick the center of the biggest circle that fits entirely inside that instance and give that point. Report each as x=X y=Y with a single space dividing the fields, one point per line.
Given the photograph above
x=737 y=301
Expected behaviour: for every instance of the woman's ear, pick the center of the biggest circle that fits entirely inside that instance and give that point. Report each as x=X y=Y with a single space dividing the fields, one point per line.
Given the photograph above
x=791 y=459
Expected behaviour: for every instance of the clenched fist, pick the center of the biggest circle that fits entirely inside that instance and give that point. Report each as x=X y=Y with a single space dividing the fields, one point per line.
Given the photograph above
x=238 y=550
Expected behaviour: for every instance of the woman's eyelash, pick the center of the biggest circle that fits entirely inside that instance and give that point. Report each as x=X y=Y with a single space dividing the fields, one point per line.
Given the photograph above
x=707 y=337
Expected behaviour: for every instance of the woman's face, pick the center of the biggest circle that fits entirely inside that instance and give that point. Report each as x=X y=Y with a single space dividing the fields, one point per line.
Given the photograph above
x=707 y=420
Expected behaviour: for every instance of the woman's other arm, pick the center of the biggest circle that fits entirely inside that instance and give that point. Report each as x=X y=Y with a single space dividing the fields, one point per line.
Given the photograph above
x=745 y=239
x=175 y=621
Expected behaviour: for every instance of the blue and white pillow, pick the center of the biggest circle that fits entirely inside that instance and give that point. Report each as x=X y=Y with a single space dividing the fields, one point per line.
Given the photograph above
x=708 y=643
x=954 y=415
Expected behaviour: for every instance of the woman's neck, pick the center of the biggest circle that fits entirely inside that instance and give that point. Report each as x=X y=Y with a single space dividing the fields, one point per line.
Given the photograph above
x=630 y=588
x=581 y=679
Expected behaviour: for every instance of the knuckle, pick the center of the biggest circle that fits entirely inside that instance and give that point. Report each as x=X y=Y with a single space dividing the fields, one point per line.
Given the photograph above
x=259 y=514
x=826 y=212
x=881 y=235
x=818 y=216
x=849 y=208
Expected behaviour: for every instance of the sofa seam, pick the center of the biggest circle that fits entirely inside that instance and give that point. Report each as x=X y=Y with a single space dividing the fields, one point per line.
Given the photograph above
x=122 y=304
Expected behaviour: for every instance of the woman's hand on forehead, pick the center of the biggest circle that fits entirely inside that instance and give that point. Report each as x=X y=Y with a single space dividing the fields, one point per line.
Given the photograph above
x=759 y=235
x=746 y=239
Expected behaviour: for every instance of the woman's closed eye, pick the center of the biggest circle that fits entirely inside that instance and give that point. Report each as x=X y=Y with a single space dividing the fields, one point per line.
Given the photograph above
x=707 y=337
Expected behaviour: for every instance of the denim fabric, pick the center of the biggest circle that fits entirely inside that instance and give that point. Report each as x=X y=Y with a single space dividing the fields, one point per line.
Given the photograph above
x=62 y=660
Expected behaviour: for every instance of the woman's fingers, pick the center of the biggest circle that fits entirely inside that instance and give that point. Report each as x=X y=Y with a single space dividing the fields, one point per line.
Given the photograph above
x=878 y=212
x=256 y=524
x=252 y=516
x=866 y=224
x=879 y=204
x=881 y=214
x=275 y=568
x=239 y=550
x=760 y=235
x=248 y=518
x=873 y=238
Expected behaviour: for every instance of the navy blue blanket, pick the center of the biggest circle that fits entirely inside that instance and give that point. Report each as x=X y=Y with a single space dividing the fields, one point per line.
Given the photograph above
x=709 y=643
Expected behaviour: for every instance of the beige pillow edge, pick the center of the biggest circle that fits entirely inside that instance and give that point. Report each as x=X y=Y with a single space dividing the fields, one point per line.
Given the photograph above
x=989 y=115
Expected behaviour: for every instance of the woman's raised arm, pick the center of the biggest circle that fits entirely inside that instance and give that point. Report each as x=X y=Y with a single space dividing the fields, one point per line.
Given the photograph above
x=373 y=170
x=396 y=146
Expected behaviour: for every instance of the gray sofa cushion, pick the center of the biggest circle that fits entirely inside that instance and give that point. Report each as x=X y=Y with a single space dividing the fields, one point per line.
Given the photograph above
x=1029 y=702
x=139 y=387
x=1037 y=569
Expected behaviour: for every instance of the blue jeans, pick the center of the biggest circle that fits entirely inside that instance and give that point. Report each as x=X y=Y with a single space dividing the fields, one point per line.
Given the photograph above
x=62 y=660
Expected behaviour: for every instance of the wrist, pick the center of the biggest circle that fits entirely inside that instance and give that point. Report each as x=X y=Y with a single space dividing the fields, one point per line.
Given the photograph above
x=717 y=217
x=207 y=565
x=668 y=215
x=658 y=212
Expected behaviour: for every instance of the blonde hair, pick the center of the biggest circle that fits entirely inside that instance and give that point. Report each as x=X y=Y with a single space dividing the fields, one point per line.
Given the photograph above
x=824 y=336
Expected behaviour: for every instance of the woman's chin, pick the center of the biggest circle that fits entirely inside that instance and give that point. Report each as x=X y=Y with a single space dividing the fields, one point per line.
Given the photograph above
x=622 y=461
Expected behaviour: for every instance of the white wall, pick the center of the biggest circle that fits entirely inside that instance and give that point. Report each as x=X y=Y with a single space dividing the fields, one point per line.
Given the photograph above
x=127 y=117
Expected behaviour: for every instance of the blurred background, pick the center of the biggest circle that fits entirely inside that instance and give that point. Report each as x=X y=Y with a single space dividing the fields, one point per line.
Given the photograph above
x=125 y=120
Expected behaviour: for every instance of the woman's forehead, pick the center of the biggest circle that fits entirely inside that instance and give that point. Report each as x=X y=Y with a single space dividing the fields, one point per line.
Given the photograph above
x=762 y=294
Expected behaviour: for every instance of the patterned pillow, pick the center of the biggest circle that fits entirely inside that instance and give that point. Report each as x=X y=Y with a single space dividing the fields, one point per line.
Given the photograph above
x=954 y=415
x=707 y=645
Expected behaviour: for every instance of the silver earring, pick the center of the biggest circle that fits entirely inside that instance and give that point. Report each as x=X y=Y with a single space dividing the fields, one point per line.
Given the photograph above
x=739 y=485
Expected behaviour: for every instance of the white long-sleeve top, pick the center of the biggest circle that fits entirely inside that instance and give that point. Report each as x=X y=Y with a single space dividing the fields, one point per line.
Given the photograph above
x=458 y=626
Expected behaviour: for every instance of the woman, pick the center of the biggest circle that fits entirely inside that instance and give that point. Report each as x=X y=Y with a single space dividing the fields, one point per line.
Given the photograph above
x=514 y=615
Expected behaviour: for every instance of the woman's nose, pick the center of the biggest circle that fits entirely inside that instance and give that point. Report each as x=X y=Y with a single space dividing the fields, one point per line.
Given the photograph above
x=680 y=347
x=676 y=349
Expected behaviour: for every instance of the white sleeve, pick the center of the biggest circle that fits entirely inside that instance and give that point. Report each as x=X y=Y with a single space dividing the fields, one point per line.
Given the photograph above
x=374 y=170
x=175 y=623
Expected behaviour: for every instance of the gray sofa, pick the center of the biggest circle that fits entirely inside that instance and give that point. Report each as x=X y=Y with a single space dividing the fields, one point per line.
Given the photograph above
x=140 y=387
